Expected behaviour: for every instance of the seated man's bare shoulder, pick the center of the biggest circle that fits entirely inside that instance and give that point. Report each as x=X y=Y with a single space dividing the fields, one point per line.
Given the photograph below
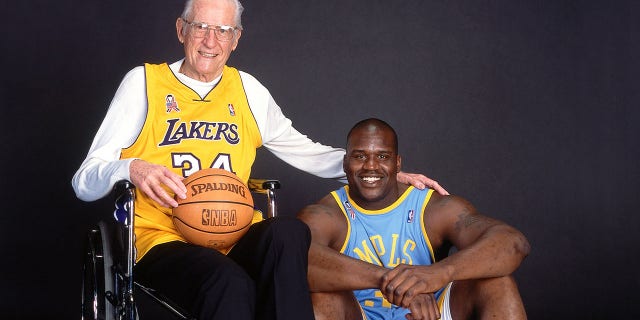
x=454 y=219
x=327 y=222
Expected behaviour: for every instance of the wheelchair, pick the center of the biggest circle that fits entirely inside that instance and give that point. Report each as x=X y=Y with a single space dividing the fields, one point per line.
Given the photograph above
x=109 y=290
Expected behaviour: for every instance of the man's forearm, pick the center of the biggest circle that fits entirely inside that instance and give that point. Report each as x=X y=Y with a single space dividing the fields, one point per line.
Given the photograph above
x=331 y=271
x=497 y=253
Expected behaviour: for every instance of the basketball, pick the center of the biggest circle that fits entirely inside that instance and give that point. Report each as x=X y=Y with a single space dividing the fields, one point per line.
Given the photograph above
x=217 y=211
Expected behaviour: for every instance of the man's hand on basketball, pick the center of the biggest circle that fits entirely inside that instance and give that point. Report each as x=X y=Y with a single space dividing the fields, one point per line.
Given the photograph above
x=420 y=181
x=153 y=179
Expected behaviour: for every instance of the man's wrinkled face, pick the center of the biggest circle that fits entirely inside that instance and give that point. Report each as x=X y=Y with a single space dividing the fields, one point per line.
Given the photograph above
x=205 y=56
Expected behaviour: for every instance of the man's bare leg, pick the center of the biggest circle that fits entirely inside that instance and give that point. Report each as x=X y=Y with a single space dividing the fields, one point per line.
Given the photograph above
x=492 y=298
x=335 y=306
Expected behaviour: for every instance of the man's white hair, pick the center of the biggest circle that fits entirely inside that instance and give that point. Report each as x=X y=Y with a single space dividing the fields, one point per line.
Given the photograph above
x=188 y=10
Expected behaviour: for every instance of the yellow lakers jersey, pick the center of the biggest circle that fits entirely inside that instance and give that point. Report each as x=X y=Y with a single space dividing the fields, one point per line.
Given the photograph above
x=185 y=133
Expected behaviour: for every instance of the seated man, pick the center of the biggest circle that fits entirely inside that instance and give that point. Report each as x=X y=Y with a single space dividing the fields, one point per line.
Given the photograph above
x=395 y=242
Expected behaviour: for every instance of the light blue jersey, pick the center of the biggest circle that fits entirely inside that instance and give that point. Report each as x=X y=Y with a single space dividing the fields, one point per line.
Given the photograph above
x=387 y=237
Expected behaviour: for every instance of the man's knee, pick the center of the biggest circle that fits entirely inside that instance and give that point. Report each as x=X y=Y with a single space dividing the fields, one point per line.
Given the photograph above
x=230 y=281
x=335 y=306
x=497 y=296
x=225 y=291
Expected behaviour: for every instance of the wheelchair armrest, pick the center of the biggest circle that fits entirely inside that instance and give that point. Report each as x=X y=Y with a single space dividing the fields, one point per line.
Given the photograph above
x=266 y=187
x=121 y=187
x=124 y=194
x=255 y=185
x=263 y=185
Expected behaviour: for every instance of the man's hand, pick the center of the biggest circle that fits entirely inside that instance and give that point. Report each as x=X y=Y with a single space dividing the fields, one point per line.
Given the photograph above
x=152 y=178
x=424 y=307
x=404 y=283
x=420 y=181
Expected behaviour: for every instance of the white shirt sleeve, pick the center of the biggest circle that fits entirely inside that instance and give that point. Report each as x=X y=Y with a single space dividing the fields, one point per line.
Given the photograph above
x=287 y=143
x=102 y=167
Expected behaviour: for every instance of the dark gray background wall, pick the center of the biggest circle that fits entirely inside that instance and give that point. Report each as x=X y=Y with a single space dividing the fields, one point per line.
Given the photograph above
x=526 y=108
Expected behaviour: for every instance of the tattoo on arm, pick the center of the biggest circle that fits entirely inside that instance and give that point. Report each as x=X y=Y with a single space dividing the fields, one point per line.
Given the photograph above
x=466 y=220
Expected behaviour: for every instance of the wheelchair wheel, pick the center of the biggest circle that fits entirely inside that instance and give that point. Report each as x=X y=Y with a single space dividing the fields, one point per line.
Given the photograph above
x=97 y=277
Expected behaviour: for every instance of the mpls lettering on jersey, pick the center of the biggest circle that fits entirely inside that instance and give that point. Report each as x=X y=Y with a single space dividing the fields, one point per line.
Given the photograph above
x=199 y=188
x=203 y=130
x=213 y=217
x=386 y=252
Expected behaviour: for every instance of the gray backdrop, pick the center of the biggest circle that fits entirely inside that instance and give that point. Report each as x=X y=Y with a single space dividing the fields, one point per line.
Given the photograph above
x=526 y=108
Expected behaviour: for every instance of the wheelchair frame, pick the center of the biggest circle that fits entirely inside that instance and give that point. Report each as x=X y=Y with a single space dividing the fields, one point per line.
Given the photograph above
x=108 y=284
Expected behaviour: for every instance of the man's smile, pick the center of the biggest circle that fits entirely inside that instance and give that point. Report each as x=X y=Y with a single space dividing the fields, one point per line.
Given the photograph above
x=369 y=179
x=207 y=55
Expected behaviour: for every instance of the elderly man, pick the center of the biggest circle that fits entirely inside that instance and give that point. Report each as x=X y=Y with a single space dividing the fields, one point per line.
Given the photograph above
x=167 y=121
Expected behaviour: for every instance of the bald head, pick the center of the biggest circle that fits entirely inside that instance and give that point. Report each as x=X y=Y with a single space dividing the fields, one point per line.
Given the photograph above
x=373 y=125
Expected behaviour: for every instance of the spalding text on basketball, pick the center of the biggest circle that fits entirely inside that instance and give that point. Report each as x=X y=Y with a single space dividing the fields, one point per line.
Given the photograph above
x=212 y=217
x=206 y=187
x=202 y=130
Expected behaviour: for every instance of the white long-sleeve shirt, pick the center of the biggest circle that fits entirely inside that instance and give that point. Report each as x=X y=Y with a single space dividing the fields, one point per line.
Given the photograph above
x=102 y=167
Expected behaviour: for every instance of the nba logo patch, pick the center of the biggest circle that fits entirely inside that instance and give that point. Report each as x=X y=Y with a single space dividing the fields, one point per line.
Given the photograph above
x=232 y=111
x=171 y=103
x=352 y=213
x=410 y=216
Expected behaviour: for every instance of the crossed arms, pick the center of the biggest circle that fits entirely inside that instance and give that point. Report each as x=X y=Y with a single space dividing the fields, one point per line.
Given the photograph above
x=486 y=248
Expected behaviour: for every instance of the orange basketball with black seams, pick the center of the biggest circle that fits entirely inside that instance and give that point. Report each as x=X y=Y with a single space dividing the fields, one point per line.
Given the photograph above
x=217 y=211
